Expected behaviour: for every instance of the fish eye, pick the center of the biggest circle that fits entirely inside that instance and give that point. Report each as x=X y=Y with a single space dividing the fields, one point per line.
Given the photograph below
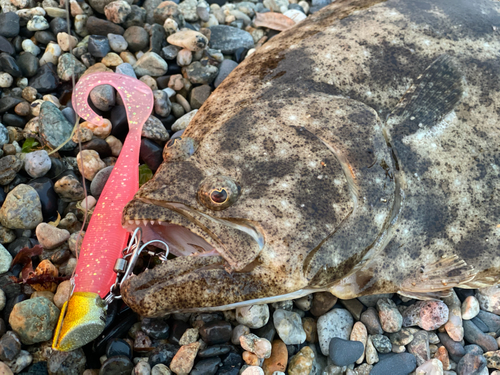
x=219 y=196
x=218 y=192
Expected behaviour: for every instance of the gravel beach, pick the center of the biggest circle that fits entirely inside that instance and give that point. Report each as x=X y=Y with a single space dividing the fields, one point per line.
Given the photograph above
x=182 y=51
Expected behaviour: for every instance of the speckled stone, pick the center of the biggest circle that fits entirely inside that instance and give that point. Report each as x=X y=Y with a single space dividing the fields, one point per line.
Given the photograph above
x=34 y=320
x=289 y=327
x=302 y=362
x=389 y=315
x=336 y=323
x=22 y=208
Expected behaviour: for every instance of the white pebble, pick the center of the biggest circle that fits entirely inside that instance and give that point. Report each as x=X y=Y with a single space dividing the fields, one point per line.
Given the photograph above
x=38 y=23
x=92 y=163
x=5 y=260
x=52 y=53
x=470 y=308
x=29 y=46
x=253 y=316
x=37 y=163
x=88 y=202
x=6 y=80
x=184 y=57
x=66 y=42
x=253 y=370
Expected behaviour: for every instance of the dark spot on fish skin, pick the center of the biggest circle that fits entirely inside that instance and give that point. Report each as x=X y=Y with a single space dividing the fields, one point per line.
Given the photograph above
x=486 y=76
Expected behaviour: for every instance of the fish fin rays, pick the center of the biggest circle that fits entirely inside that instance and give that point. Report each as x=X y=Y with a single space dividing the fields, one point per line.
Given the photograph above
x=433 y=95
x=426 y=296
x=437 y=277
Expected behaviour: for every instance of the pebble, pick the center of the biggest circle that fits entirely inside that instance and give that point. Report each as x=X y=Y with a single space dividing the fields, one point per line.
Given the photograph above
x=389 y=315
x=66 y=42
x=198 y=96
x=104 y=98
x=430 y=367
x=474 y=335
x=62 y=294
x=5 y=261
x=21 y=209
x=54 y=128
x=37 y=163
x=6 y=80
x=419 y=347
x=99 y=181
x=69 y=189
x=471 y=363
x=395 y=364
x=117 y=11
x=116 y=365
x=345 y=352
x=137 y=38
x=216 y=332
x=51 y=237
x=207 y=366
x=336 y=323
x=117 y=43
x=189 y=39
x=491 y=320
x=162 y=104
x=150 y=64
x=381 y=343
x=183 y=361
x=9 y=24
x=259 y=346
x=91 y=162
x=322 y=302
x=302 y=362
x=228 y=39
x=10 y=346
x=470 y=308
x=371 y=320
x=288 y=325
x=253 y=316
x=96 y=26
x=454 y=325
x=34 y=320
x=196 y=72
x=278 y=359
x=428 y=315
x=489 y=299
x=442 y=355
x=311 y=329
x=37 y=23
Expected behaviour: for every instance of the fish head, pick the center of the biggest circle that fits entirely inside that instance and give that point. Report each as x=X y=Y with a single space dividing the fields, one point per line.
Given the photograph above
x=245 y=203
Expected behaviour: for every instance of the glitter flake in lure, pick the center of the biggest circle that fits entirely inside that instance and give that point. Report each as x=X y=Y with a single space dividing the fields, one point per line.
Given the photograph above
x=82 y=317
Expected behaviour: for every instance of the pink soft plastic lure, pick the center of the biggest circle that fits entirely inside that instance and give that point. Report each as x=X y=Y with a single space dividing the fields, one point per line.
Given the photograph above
x=82 y=317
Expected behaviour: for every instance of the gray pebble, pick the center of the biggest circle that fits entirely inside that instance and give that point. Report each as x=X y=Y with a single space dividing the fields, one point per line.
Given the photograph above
x=54 y=128
x=381 y=343
x=5 y=261
x=100 y=180
x=117 y=43
x=289 y=327
x=22 y=208
x=103 y=97
x=37 y=163
x=226 y=67
x=150 y=64
x=4 y=135
x=126 y=69
x=162 y=104
x=154 y=130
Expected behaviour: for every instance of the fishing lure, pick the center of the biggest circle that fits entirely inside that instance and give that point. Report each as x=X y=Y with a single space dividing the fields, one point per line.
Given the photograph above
x=83 y=317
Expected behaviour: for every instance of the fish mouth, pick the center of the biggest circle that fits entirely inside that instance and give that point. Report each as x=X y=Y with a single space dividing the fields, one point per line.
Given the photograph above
x=190 y=232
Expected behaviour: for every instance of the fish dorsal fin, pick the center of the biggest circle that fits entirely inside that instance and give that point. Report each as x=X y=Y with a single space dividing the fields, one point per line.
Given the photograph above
x=434 y=94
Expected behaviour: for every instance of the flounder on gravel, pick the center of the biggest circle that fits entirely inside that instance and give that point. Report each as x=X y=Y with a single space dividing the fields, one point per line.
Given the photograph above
x=357 y=152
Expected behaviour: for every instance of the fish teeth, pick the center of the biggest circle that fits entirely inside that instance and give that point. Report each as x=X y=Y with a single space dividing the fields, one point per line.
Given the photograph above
x=137 y=222
x=145 y=222
x=152 y=222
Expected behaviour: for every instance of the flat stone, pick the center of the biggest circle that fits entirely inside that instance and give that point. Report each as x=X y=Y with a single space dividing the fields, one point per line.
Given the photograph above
x=253 y=316
x=395 y=364
x=419 y=347
x=150 y=64
x=288 y=325
x=389 y=315
x=46 y=80
x=9 y=24
x=344 y=352
x=228 y=39
x=54 y=128
x=474 y=335
x=97 y=26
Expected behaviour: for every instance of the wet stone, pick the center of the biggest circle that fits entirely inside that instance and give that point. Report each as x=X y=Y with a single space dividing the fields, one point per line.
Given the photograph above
x=395 y=364
x=288 y=325
x=371 y=321
x=116 y=365
x=21 y=209
x=402 y=337
x=37 y=163
x=5 y=45
x=198 y=96
x=7 y=103
x=474 y=335
x=137 y=38
x=96 y=26
x=389 y=315
x=46 y=79
x=9 y=65
x=151 y=154
x=322 y=302
x=10 y=346
x=214 y=351
x=100 y=180
x=69 y=188
x=9 y=24
x=51 y=237
x=118 y=347
x=420 y=347
x=54 y=128
x=28 y=64
x=344 y=352
x=228 y=39
x=216 y=332
x=381 y=343
x=156 y=328
x=480 y=324
x=63 y=363
x=162 y=354
x=197 y=73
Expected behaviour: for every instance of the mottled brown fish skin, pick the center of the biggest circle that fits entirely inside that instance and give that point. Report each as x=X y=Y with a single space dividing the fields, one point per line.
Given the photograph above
x=438 y=199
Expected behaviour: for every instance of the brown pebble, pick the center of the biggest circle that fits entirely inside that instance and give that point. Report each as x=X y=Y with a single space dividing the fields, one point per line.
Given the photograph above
x=310 y=327
x=250 y=358
x=302 y=362
x=322 y=303
x=9 y=149
x=442 y=355
x=183 y=361
x=45 y=268
x=29 y=93
x=142 y=342
x=22 y=109
x=278 y=359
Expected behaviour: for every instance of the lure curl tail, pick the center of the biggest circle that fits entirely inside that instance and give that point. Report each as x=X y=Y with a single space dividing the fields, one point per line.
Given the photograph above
x=83 y=317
